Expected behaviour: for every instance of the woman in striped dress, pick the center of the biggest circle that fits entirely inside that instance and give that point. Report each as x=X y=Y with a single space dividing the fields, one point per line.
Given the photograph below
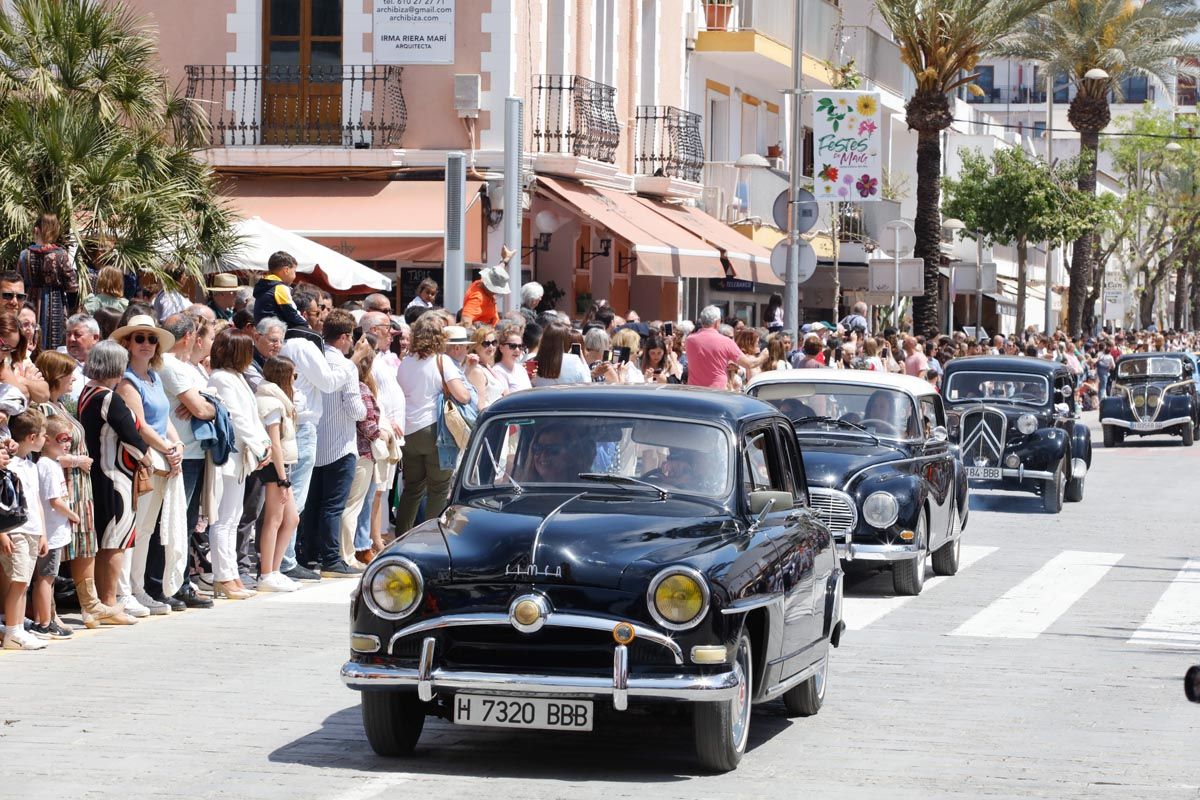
x=111 y=434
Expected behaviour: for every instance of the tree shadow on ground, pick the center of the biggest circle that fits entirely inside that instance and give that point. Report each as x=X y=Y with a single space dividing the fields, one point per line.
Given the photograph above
x=648 y=744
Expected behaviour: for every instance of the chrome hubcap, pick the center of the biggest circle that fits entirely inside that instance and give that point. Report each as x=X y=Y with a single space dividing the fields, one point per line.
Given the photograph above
x=740 y=711
x=819 y=678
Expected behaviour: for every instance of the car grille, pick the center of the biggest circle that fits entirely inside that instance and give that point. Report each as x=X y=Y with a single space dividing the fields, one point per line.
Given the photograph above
x=1146 y=402
x=983 y=434
x=502 y=647
x=836 y=509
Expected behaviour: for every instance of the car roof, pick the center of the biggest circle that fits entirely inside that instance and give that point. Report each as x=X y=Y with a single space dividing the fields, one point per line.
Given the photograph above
x=1036 y=366
x=858 y=377
x=1157 y=354
x=656 y=399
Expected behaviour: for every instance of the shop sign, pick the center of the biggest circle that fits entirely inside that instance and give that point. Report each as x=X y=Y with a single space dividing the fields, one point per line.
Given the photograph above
x=413 y=31
x=731 y=284
x=847 y=147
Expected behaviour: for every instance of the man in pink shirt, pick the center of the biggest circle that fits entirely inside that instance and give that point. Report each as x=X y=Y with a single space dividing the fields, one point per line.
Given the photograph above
x=915 y=362
x=709 y=353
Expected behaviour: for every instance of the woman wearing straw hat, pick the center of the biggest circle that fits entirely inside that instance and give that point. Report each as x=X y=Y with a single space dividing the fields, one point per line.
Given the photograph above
x=222 y=294
x=479 y=304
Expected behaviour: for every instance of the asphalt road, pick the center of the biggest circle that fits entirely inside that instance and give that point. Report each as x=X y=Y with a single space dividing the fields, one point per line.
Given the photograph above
x=1050 y=666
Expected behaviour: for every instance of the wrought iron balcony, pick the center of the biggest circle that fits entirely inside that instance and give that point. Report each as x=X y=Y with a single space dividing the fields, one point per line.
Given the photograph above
x=669 y=143
x=574 y=116
x=317 y=106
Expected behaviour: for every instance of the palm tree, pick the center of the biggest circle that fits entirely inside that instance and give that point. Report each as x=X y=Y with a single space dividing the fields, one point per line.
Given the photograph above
x=90 y=130
x=1110 y=40
x=941 y=41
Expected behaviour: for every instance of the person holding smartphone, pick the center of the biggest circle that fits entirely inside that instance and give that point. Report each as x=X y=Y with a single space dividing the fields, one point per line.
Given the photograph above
x=627 y=347
x=659 y=364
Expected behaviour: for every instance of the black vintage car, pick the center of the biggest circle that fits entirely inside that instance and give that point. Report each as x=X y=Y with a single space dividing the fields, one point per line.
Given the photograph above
x=1151 y=393
x=1017 y=425
x=881 y=473
x=605 y=545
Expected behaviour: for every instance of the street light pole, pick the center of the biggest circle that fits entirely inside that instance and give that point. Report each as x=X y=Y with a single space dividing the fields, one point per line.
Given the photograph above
x=796 y=167
x=1049 y=319
x=978 y=283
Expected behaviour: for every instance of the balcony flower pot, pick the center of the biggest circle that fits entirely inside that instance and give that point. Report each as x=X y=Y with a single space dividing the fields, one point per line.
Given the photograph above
x=774 y=151
x=717 y=15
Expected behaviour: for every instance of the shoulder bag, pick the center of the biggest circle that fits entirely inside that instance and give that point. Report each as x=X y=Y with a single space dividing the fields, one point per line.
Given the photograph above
x=452 y=415
x=13 y=509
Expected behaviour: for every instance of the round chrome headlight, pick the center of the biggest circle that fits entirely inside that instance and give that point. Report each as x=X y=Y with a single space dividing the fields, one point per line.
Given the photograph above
x=1027 y=424
x=393 y=588
x=678 y=598
x=880 y=510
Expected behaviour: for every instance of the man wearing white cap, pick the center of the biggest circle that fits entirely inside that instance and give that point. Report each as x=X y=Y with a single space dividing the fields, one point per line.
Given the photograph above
x=479 y=304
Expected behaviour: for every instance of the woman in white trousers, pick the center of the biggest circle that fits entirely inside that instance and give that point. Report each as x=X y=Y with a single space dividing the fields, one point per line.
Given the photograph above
x=232 y=352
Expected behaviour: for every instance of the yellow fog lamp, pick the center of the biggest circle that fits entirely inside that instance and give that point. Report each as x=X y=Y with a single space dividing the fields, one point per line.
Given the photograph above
x=624 y=633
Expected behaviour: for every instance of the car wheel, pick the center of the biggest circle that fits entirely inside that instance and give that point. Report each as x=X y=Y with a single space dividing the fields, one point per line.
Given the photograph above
x=1074 y=492
x=908 y=577
x=1189 y=435
x=1110 y=436
x=805 y=699
x=945 y=558
x=392 y=721
x=722 y=729
x=1053 y=490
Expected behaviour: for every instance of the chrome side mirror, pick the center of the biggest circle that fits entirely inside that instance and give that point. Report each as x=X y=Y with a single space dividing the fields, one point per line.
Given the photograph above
x=762 y=503
x=939 y=434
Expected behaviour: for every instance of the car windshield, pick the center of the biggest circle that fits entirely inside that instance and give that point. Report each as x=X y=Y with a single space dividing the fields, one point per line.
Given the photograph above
x=881 y=411
x=1003 y=387
x=1150 y=368
x=527 y=451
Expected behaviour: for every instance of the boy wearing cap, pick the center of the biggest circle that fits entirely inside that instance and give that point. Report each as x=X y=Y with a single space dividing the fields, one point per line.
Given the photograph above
x=479 y=304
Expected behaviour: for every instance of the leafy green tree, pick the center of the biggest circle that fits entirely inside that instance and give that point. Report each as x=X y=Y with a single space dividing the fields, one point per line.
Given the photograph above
x=1015 y=199
x=941 y=41
x=90 y=130
x=1122 y=38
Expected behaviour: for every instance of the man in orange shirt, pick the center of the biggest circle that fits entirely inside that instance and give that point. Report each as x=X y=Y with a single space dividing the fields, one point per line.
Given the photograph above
x=479 y=304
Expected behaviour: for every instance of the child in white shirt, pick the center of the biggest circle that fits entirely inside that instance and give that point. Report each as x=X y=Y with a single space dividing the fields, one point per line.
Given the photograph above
x=21 y=547
x=58 y=517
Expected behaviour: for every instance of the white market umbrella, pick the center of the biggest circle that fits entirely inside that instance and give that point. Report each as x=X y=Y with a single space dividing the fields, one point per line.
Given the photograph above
x=260 y=239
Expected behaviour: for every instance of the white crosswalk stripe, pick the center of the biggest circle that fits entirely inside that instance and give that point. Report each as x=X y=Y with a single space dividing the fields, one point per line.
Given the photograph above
x=859 y=612
x=1175 y=619
x=1033 y=605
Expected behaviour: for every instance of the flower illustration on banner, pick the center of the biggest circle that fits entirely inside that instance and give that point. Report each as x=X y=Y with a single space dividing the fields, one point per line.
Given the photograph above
x=866 y=127
x=866 y=185
x=866 y=105
x=828 y=173
x=834 y=114
x=847 y=179
x=843 y=192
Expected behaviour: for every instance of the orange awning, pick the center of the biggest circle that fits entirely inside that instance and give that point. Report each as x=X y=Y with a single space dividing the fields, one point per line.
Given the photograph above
x=366 y=220
x=749 y=260
x=663 y=249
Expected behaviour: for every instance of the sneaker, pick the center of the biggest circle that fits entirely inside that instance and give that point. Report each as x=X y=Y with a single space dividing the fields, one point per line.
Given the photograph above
x=132 y=607
x=286 y=581
x=156 y=608
x=276 y=582
x=299 y=573
x=51 y=630
x=20 y=640
x=339 y=570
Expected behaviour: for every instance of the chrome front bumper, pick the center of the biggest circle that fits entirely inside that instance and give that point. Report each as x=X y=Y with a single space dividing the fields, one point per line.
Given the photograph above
x=427 y=681
x=1146 y=427
x=853 y=551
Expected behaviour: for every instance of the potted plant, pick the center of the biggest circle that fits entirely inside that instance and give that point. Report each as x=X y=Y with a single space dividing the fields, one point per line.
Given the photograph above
x=717 y=13
x=583 y=302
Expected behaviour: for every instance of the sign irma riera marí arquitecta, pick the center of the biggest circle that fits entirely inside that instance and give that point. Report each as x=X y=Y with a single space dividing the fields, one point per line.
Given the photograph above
x=846 y=146
x=413 y=31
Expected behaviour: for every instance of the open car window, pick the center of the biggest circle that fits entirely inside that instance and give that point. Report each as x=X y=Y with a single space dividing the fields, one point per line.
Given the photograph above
x=553 y=449
x=1009 y=387
x=1150 y=368
x=882 y=411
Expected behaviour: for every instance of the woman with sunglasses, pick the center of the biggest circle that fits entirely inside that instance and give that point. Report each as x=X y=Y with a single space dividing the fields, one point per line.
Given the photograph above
x=510 y=348
x=143 y=392
x=489 y=385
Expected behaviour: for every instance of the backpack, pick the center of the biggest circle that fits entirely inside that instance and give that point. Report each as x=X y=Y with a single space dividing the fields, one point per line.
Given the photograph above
x=14 y=511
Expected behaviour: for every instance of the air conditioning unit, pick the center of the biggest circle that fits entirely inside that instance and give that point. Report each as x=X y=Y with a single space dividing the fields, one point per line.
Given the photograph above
x=714 y=201
x=467 y=91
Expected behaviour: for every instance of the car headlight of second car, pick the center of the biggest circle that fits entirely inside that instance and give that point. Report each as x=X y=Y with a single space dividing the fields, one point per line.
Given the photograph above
x=880 y=510
x=393 y=588
x=678 y=598
x=1027 y=424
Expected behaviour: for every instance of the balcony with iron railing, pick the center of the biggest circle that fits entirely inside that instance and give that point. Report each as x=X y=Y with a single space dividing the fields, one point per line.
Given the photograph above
x=876 y=57
x=669 y=144
x=336 y=106
x=576 y=116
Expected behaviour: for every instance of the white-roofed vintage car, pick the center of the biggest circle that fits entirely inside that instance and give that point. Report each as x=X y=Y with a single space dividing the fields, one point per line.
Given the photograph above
x=880 y=469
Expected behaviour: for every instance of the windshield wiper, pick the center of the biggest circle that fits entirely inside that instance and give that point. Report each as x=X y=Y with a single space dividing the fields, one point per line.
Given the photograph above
x=623 y=480
x=497 y=470
x=844 y=423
